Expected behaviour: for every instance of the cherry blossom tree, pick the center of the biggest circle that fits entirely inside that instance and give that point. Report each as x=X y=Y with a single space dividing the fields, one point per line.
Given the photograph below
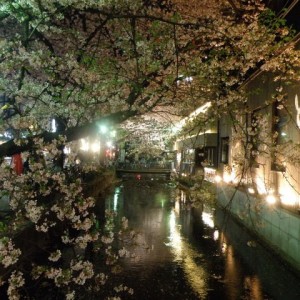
x=84 y=62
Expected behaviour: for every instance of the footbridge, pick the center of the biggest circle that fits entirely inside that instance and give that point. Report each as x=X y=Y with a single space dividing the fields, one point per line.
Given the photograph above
x=143 y=170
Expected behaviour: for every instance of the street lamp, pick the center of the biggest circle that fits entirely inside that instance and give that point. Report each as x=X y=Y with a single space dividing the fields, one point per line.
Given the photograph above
x=103 y=128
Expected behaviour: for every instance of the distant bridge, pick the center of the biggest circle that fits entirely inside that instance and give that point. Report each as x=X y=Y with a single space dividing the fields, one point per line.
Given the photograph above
x=140 y=170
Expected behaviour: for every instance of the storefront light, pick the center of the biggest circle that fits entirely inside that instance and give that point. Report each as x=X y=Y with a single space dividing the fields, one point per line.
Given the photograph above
x=84 y=145
x=182 y=122
x=53 y=125
x=251 y=190
x=287 y=200
x=261 y=186
x=271 y=199
x=227 y=177
x=95 y=147
x=103 y=129
x=288 y=197
x=218 y=178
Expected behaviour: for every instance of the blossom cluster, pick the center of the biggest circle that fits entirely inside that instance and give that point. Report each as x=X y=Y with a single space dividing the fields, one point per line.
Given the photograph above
x=9 y=255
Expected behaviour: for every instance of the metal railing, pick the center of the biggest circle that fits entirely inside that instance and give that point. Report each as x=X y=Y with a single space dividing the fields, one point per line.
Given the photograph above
x=144 y=166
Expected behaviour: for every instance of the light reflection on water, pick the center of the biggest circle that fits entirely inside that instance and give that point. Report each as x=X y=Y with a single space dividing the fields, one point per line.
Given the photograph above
x=184 y=253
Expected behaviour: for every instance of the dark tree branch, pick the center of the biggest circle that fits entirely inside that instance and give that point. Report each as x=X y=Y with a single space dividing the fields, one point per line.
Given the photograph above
x=133 y=29
x=235 y=8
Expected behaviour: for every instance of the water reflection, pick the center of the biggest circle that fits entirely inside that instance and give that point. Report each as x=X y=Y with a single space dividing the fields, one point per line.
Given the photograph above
x=253 y=284
x=216 y=235
x=207 y=219
x=188 y=253
x=116 y=198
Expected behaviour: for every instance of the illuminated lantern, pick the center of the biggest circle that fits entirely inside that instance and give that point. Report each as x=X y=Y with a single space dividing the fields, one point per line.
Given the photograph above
x=17 y=163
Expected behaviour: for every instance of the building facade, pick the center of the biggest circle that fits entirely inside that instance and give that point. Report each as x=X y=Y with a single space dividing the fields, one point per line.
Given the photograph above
x=254 y=158
x=259 y=165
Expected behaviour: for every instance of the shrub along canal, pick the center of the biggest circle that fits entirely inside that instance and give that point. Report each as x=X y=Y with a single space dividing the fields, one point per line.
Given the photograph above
x=182 y=252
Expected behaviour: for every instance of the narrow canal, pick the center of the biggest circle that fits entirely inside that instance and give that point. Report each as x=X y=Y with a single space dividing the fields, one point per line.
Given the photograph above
x=193 y=253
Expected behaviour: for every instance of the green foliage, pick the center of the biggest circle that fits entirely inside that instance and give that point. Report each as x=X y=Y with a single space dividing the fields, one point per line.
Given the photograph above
x=277 y=25
x=3 y=227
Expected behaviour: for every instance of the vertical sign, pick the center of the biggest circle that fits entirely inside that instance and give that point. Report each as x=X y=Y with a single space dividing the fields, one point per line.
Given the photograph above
x=297 y=106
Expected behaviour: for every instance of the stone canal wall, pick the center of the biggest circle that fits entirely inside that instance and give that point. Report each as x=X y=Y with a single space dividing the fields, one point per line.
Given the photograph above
x=277 y=227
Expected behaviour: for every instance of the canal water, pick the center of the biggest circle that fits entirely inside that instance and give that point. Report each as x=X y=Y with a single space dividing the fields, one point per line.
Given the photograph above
x=190 y=253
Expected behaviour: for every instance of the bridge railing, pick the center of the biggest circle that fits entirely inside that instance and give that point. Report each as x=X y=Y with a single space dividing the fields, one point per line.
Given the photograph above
x=143 y=166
